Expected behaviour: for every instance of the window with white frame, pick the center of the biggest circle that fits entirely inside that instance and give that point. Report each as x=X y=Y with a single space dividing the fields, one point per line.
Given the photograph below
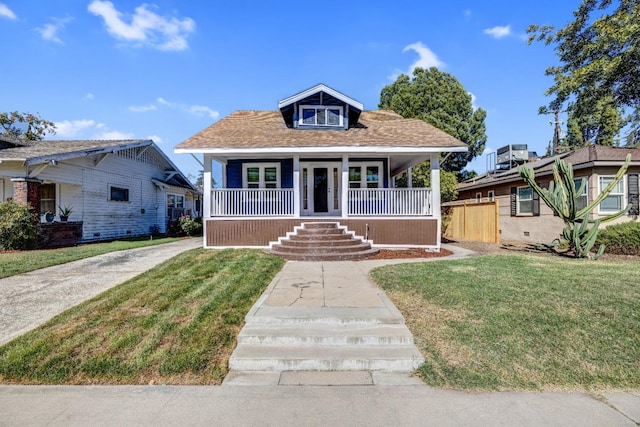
x=582 y=197
x=261 y=175
x=175 y=205
x=478 y=197
x=365 y=175
x=492 y=195
x=525 y=201
x=321 y=115
x=614 y=202
x=48 y=198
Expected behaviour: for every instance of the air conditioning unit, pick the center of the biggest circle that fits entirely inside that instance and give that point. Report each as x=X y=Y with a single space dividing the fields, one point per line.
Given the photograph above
x=514 y=153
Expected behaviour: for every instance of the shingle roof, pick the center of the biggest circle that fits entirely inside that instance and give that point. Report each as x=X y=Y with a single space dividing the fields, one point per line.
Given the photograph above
x=40 y=150
x=592 y=154
x=266 y=129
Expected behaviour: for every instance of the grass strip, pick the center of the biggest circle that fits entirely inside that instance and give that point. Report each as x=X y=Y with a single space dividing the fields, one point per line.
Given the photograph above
x=505 y=322
x=175 y=324
x=18 y=262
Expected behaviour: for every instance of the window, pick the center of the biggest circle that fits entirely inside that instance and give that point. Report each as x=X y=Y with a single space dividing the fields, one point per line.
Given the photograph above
x=614 y=202
x=119 y=194
x=525 y=201
x=365 y=175
x=478 y=197
x=175 y=206
x=492 y=195
x=261 y=175
x=311 y=115
x=582 y=197
x=48 y=198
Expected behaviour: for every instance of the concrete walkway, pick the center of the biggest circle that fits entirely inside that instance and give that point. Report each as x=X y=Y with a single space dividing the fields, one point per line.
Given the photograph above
x=278 y=399
x=30 y=299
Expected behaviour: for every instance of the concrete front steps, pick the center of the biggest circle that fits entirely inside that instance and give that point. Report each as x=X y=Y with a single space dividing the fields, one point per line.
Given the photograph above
x=325 y=339
x=322 y=241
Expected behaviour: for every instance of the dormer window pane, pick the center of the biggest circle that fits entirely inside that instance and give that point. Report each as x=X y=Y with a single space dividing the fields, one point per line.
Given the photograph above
x=309 y=116
x=333 y=117
x=321 y=117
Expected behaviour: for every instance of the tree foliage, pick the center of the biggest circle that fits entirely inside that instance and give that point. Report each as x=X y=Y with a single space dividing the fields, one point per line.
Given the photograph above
x=591 y=123
x=599 y=54
x=26 y=126
x=421 y=178
x=17 y=229
x=439 y=99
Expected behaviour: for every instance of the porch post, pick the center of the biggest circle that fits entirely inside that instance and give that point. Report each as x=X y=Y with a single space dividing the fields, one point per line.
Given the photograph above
x=434 y=163
x=206 y=177
x=296 y=186
x=344 y=200
x=409 y=178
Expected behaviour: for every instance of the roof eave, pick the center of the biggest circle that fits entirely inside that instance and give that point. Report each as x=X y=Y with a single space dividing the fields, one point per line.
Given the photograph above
x=319 y=149
x=30 y=161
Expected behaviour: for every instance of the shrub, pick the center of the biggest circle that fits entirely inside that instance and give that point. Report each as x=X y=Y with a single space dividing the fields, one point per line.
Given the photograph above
x=17 y=226
x=622 y=238
x=190 y=226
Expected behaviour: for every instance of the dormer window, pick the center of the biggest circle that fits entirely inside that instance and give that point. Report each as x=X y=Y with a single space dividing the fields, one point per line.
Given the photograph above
x=320 y=115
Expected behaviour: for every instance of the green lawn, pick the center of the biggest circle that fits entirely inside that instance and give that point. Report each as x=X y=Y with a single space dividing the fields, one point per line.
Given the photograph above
x=522 y=322
x=18 y=262
x=175 y=324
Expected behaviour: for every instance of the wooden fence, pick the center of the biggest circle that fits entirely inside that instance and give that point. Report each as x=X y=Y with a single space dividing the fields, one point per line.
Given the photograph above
x=477 y=221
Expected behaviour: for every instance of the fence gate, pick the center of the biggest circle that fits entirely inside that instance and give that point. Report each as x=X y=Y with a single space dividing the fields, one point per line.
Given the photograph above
x=477 y=221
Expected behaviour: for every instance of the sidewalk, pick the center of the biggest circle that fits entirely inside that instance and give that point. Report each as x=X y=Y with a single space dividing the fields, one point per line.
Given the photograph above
x=276 y=398
x=30 y=299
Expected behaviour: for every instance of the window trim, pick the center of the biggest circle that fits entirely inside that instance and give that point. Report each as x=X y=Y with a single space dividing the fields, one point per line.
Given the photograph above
x=301 y=109
x=127 y=193
x=491 y=194
x=261 y=166
x=363 y=176
x=479 y=197
x=623 y=195
x=519 y=200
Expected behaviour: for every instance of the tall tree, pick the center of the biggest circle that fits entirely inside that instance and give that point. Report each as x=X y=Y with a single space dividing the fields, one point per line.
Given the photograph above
x=599 y=54
x=439 y=99
x=26 y=126
x=596 y=122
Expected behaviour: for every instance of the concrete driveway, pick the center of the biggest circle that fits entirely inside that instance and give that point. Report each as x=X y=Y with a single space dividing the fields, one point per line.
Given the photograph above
x=30 y=299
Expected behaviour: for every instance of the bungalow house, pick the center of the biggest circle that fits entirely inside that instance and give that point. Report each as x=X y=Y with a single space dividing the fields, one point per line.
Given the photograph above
x=320 y=161
x=522 y=217
x=115 y=188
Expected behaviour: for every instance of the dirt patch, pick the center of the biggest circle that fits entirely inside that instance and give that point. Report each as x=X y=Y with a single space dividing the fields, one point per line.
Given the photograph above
x=407 y=253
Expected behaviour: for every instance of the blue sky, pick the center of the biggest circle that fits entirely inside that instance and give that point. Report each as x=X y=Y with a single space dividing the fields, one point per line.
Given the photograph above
x=167 y=69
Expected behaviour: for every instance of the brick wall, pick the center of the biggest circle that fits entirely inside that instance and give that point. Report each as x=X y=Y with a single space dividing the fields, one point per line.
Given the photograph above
x=27 y=191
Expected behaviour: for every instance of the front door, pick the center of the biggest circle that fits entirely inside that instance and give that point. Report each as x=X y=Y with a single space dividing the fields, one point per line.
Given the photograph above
x=320 y=188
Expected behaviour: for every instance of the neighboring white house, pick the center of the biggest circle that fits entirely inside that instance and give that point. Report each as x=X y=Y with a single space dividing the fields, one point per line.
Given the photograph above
x=115 y=188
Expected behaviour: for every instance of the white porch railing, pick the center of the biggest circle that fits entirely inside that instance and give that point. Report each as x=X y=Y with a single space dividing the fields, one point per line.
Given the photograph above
x=390 y=202
x=252 y=202
x=241 y=202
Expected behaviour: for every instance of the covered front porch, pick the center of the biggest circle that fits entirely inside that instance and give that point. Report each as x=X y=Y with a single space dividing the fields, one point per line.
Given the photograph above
x=262 y=200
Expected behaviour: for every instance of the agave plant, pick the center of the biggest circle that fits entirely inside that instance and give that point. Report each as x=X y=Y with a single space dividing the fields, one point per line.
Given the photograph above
x=580 y=232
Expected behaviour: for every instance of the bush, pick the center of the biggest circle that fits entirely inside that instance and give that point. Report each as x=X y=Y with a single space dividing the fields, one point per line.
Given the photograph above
x=622 y=238
x=191 y=226
x=186 y=226
x=17 y=226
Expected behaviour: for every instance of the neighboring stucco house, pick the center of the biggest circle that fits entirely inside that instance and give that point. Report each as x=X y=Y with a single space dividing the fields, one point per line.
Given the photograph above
x=319 y=158
x=115 y=188
x=524 y=217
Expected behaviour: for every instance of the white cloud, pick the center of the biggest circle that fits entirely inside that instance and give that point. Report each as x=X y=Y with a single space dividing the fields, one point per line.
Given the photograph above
x=6 y=12
x=164 y=102
x=473 y=101
x=426 y=57
x=70 y=129
x=498 y=32
x=143 y=108
x=113 y=134
x=467 y=13
x=201 y=110
x=89 y=96
x=144 y=27
x=50 y=30
x=155 y=138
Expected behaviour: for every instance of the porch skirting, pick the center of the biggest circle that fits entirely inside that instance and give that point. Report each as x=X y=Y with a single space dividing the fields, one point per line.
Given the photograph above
x=409 y=232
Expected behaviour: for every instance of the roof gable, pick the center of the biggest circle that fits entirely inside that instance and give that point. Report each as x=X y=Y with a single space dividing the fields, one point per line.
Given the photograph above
x=316 y=90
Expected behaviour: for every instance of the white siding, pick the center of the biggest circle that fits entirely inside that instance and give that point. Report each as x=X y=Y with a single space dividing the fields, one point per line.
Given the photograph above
x=86 y=187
